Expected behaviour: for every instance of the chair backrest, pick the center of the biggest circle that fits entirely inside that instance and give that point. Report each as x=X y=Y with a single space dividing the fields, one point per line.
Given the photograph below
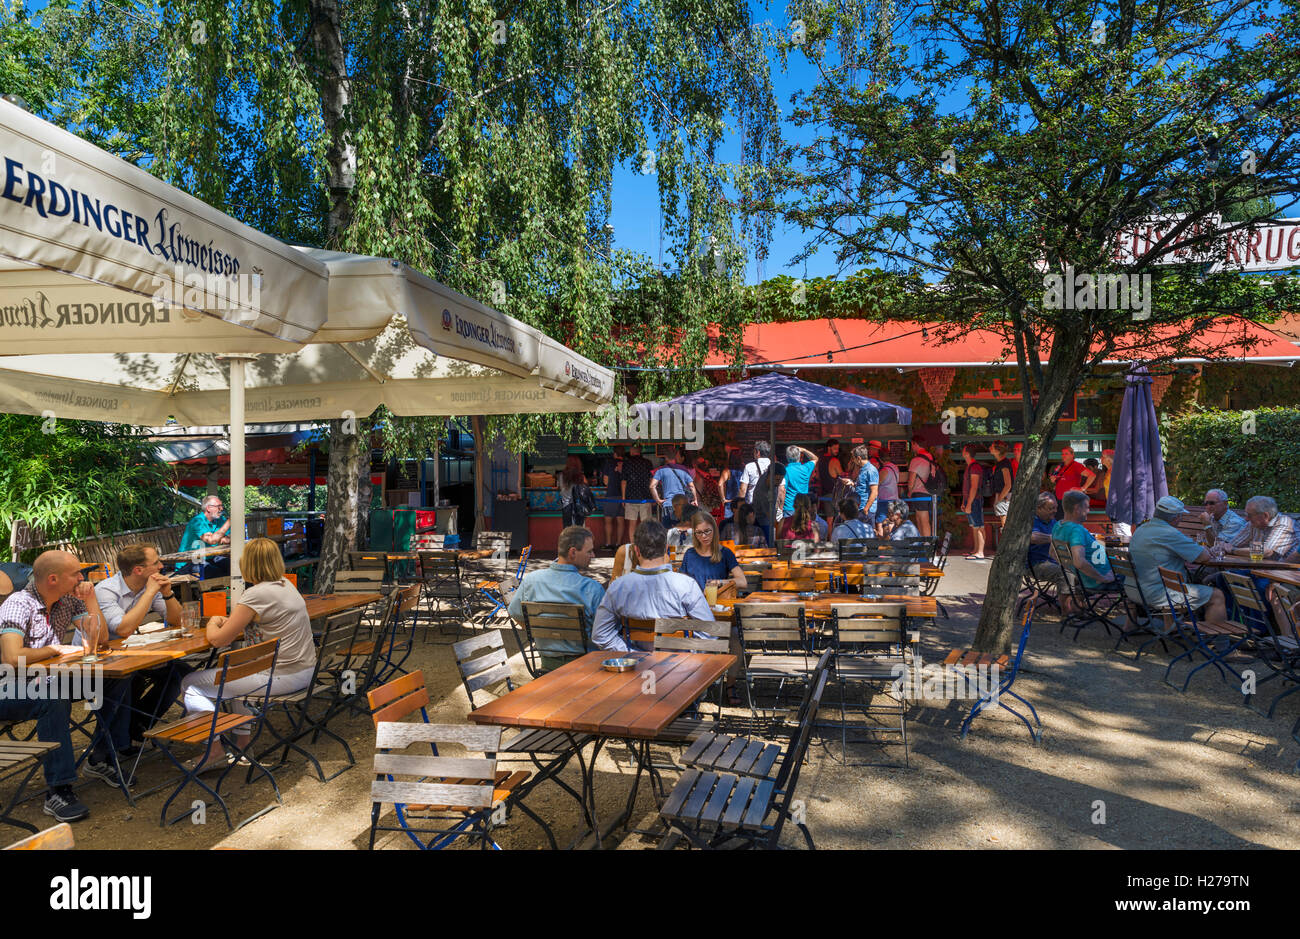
x=462 y=782
x=241 y=663
x=483 y=662
x=58 y=838
x=566 y=621
x=761 y=623
x=868 y=624
x=440 y=571
x=1190 y=524
x=490 y=540
x=796 y=582
x=1065 y=558
x=399 y=698
x=1254 y=610
x=1179 y=597
x=940 y=557
x=367 y=560
x=522 y=567
x=366 y=580
x=1287 y=599
x=678 y=634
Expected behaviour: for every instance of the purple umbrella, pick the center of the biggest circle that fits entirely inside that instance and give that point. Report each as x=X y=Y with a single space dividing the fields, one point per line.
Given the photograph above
x=1137 y=477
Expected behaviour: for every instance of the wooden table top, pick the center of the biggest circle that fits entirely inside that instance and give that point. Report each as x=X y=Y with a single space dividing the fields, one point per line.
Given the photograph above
x=222 y=550
x=820 y=605
x=321 y=605
x=117 y=661
x=582 y=697
x=1246 y=564
x=1290 y=575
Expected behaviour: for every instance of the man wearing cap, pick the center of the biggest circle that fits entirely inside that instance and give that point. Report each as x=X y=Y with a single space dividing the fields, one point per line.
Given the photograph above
x=1159 y=544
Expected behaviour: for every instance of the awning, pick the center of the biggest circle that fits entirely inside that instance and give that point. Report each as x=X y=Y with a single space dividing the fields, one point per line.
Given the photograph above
x=845 y=343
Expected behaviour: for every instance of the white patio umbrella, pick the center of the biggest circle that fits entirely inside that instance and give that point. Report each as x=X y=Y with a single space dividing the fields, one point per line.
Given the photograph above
x=125 y=299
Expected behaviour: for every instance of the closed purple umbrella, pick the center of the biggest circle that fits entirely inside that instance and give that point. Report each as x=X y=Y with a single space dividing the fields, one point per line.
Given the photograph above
x=1137 y=476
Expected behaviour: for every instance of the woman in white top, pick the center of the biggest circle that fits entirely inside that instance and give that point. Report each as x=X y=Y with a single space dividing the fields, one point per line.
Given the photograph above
x=270 y=608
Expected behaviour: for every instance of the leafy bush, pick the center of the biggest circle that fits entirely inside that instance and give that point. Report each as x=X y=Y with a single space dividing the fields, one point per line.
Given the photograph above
x=80 y=480
x=1244 y=453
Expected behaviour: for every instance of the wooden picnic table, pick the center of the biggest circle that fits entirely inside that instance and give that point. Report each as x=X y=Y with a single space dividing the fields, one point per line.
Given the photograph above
x=1246 y=564
x=581 y=698
x=220 y=551
x=1289 y=575
x=321 y=605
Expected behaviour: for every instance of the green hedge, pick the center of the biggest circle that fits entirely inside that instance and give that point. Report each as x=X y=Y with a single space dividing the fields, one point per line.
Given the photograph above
x=1217 y=449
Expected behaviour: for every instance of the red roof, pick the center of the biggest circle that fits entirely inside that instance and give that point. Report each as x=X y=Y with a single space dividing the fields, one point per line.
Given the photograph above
x=869 y=344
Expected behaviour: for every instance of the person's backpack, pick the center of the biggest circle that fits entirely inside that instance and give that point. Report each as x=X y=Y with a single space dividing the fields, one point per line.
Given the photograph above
x=986 y=482
x=584 y=501
x=706 y=487
x=844 y=489
x=936 y=482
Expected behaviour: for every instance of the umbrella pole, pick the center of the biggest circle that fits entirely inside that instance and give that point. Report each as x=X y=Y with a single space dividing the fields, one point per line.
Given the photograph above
x=237 y=364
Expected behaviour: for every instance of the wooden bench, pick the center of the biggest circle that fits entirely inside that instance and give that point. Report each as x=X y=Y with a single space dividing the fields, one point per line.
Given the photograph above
x=58 y=838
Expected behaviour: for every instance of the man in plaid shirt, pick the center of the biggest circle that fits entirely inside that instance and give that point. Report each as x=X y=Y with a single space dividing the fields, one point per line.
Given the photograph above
x=1274 y=529
x=32 y=623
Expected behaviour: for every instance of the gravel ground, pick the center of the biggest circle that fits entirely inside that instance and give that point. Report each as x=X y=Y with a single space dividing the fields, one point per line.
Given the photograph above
x=1126 y=762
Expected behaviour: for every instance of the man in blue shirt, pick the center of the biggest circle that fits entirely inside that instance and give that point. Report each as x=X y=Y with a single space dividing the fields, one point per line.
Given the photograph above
x=1157 y=544
x=849 y=527
x=562 y=582
x=1044 y=567
x=670 y=480
x=210 y=528
x=799 y=468
x=867 y=485
x=653 y=590
x=1223 y=521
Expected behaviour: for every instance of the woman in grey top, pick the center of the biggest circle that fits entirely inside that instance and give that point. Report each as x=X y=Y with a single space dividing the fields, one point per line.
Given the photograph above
x=270 y=608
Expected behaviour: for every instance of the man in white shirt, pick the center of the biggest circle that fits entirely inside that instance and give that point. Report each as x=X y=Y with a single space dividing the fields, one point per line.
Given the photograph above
x=754 y=469
x=137 y=591
x=653 y=590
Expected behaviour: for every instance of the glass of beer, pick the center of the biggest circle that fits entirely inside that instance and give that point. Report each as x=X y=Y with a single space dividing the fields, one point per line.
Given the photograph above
x=1257 y=550
x=711 y=594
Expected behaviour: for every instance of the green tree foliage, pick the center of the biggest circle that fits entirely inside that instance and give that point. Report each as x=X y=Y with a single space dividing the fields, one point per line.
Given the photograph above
x=77 y=479
x=1244 y=453
x=975 y=146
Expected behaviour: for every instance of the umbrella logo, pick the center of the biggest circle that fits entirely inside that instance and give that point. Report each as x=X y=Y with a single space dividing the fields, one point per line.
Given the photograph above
x=446 y=320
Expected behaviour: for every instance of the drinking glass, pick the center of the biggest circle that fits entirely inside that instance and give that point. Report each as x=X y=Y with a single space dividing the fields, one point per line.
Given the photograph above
x=89 y=637
x=711 y=594
x=189 y=619
x=1257 y=550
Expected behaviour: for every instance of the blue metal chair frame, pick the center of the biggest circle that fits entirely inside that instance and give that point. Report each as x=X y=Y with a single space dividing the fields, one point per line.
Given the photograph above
x=495 y=597
x=1190 y=626
x=1005 y=682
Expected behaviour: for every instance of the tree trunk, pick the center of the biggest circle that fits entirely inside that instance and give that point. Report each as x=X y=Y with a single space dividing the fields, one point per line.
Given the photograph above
x=341 y=504
x=365 y=495
x=998 y=625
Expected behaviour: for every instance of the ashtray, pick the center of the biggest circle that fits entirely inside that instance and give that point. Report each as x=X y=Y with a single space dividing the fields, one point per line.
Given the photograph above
x=618 y=665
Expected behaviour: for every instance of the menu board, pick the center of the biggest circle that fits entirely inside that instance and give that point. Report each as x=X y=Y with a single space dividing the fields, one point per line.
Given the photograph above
x=549 y=450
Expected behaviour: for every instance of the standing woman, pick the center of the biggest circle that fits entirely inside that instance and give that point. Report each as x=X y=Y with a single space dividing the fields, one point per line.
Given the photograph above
x=570 y=495
x=918 y=492
x=271 y=608
x=729 y=483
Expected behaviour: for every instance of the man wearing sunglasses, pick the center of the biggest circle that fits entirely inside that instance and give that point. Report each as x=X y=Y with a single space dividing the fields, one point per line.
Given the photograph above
x=1223 y=521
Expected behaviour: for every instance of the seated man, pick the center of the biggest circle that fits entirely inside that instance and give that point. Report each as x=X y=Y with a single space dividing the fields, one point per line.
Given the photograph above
x=1225 y=524
x=136 y=591
x=1086 y=552
x=209 y=529
x=1159 y=544
x=1039 y=558
x=848 y=527
x=562 y=582
x=1275 y=531
x=32 y=622
x=651 y=591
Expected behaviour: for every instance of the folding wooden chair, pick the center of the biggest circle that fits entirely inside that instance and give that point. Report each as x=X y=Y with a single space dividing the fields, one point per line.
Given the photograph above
x=1212 y=640
x=57 y=838
x=873 y=649
x=204 y=730
x=722 y=810
x=1139 y=609
x=774 y=644
x=444 y=593
x=366 y=580
x=1092 y=606
x=440 y=791
x=1271 y=645
x=1007 y=670
x=496 y=593
x=336 y=656
x=1285 y=653
x=565 y=622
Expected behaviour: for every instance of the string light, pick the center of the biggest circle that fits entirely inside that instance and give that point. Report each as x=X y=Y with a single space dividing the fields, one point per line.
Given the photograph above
x=746 y=366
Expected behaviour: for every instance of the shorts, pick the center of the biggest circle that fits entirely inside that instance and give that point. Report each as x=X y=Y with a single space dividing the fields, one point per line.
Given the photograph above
x=638 y=511
x=1049 y=573
x=882 y=513
x=1000 y=509
x=1198 y=596
x=611 y=508
x=976 y=514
